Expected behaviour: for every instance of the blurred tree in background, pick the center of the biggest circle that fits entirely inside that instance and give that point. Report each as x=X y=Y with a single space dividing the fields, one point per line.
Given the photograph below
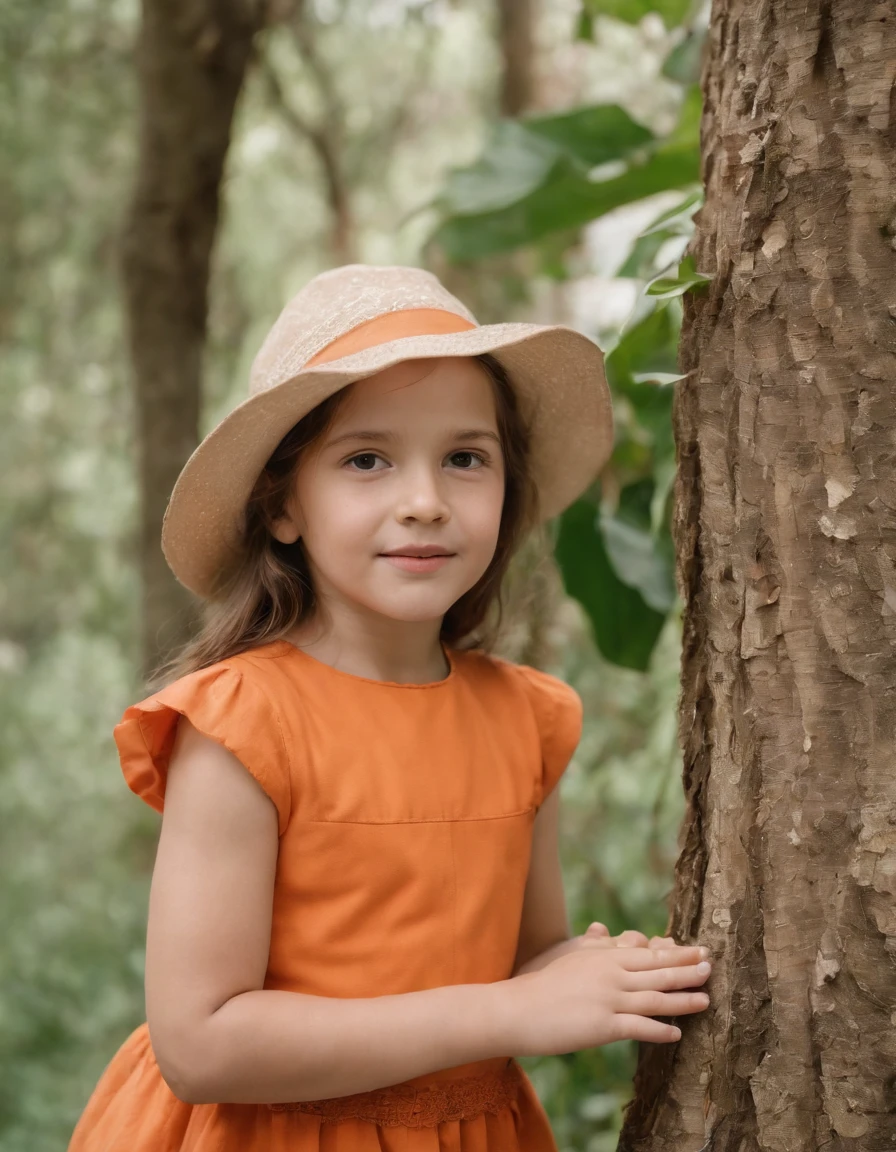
x=374 y=130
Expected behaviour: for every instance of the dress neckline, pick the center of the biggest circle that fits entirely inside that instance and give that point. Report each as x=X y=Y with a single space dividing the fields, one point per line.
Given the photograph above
x=286 y=647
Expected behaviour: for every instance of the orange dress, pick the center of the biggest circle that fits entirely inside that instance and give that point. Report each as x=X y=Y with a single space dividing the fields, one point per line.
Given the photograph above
x=405 y=821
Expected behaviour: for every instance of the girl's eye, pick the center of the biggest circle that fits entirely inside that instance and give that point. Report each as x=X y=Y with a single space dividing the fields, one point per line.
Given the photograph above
x=365 y=457
x=466 y=461
x=470 y=456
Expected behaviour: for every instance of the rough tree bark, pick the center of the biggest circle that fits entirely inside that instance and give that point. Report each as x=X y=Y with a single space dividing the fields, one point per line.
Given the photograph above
x=192 y=57
x=785 y=523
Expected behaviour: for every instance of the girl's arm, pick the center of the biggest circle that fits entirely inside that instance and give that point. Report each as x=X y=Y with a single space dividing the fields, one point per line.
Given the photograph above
x=544 y=931
x=217 y=1034
x=544 y=927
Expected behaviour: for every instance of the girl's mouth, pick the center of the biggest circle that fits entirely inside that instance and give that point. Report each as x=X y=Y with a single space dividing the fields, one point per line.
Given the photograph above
x=418 y=563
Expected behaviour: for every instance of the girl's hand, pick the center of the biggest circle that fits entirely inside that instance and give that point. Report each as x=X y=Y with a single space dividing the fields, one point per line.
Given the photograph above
x=596 y=935
x=600 y=933
x=598 y=993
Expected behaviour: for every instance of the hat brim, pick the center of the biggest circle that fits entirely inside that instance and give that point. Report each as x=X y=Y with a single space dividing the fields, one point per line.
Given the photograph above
x=557 y=372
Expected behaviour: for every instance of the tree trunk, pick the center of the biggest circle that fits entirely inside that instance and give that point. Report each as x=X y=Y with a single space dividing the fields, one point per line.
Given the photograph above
x=193 y=56
x=516 y=18
x=535 y=588
x=785 y=524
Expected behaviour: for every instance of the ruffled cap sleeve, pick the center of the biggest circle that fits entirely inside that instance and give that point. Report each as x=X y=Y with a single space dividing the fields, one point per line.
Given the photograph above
x=225 y=706
x=558 y=714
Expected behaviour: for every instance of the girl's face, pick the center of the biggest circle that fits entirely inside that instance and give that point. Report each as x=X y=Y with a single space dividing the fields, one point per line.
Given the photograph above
x=412 y=460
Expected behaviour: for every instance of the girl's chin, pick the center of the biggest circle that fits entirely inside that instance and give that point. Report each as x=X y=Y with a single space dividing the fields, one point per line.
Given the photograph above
x=406 y=614
x=410 y=606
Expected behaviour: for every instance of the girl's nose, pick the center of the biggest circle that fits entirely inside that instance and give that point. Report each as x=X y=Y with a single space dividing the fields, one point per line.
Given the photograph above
x=421 y=497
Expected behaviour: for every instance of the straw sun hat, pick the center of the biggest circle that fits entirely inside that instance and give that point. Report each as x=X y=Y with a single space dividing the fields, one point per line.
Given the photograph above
x=349 y=323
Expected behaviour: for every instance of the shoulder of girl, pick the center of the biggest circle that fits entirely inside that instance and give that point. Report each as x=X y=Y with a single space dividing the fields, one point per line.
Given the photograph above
x=230 y=702
x=539 y=686
x=243 y=667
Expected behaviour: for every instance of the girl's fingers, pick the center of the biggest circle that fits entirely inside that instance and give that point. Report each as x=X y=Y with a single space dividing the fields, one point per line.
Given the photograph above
x=648 y=959
x=631 y=939
x=643 y=1028
x=667 y=979
x=665 y=1003
x=597 y=929
x=662 y=942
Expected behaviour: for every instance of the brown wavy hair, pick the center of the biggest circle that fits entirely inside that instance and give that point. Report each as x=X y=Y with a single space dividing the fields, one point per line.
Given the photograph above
x=270 y=591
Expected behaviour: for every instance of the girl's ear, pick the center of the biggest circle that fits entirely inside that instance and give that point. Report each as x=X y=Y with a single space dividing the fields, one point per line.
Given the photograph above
x=287 y=528
x=285 y=535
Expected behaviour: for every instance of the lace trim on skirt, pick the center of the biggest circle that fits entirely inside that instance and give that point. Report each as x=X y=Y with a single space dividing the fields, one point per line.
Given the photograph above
x=419 y=1107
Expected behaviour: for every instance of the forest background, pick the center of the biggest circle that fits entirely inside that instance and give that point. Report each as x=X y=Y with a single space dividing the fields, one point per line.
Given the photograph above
x=374 y=131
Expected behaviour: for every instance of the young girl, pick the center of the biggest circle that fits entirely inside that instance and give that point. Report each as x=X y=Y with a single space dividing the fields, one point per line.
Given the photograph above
x=356 y=918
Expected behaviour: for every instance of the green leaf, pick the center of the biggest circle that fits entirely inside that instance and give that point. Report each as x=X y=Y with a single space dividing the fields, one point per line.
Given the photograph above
x=647 y=347
x=543 y=175
x=677 y=220
x=673 y=12
x=584 y=26
x=640 y=263
x=641 y=557
x=566 y=198
x=521 y=155
x=684 y=61
x=664 y=477
x=665 y=287
x=644 y=353
x=515 y=163
x=663 y=378
x=638 y=562
x=687 y=127
x=625 y=627
x=595 y=134
x=688 y=278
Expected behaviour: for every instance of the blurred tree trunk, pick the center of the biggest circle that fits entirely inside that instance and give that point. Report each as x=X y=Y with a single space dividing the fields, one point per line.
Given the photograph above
x=516 y=19
x=535 y=587
x=192 y=57
x=786 y=533
x=325 y=132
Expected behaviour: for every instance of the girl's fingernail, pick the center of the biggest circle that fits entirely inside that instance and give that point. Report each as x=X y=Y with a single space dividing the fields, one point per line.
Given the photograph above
x=704 y=967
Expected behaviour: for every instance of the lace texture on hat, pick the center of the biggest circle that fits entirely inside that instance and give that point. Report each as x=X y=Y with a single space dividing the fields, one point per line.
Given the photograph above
x=330 y=306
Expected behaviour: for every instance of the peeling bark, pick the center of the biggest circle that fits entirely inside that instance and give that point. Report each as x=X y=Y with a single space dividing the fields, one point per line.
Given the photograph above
x=785 y=526
x=192 y=58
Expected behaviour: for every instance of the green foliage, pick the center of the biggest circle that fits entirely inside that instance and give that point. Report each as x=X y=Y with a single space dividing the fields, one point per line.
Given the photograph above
x=552 y=173
x=619 y=564
x=675 y=221
x=673 y=12
x=625 y=628
x=686 y=280
x=684 y=61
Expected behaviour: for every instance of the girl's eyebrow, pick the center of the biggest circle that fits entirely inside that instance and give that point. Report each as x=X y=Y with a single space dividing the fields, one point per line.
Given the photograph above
x=462 y=434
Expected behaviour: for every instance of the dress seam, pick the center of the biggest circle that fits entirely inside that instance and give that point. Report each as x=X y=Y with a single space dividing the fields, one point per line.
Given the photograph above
x=453 y=903
x=435 y=820
x=287 y=759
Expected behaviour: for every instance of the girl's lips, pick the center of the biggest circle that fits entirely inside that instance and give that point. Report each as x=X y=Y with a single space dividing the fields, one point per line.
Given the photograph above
x=418 y=563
